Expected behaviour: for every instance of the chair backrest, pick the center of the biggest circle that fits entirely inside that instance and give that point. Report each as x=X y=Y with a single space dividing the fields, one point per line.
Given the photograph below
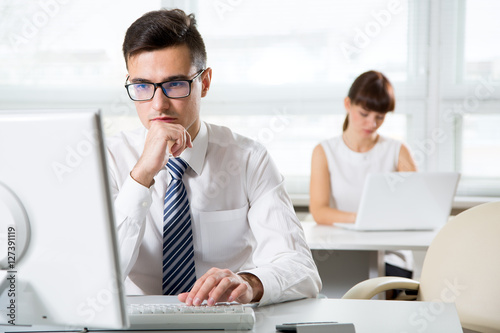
x=462 y=266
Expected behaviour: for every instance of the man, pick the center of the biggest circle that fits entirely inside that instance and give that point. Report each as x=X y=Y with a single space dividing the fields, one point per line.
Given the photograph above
x=195 y=201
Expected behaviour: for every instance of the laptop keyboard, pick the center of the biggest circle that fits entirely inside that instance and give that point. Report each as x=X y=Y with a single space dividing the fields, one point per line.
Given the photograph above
x=182 y=317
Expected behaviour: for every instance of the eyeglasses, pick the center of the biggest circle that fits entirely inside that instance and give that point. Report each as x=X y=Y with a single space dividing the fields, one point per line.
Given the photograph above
x=145 y=91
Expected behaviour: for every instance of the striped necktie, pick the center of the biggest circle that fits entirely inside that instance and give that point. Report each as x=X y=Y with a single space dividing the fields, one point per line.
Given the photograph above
x=178 y=259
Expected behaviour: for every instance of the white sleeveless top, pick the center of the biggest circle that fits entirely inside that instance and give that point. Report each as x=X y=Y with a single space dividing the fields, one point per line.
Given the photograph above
x=348 y=171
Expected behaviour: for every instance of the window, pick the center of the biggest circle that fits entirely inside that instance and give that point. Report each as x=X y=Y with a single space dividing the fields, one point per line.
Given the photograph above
x=65 y=44
x=59 y=53
x=281 y=71
x=480 y=139
x=267 y=42
x=481 y=50
x=470 y=94
x=481 y=145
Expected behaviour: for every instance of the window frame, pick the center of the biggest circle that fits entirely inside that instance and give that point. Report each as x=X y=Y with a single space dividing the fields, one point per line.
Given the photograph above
x=459 y=97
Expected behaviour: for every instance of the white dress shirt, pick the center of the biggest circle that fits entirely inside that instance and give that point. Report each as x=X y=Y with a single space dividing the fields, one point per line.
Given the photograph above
x=242 y=217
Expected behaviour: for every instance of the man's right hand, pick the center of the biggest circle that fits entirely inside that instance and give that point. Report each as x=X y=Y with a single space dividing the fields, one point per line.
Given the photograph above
x=162 y=139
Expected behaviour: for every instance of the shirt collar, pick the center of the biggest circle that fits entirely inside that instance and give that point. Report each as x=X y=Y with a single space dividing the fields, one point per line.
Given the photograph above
x=196 y=156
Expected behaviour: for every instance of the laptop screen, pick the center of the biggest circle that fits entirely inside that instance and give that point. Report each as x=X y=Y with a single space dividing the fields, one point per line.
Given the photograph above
x=407 y=200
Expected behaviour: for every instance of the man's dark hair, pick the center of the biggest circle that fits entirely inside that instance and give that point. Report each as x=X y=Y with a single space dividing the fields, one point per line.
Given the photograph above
x=165 y=28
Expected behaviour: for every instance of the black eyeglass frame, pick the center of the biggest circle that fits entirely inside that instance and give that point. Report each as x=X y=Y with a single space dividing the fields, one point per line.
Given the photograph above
x=160 y=84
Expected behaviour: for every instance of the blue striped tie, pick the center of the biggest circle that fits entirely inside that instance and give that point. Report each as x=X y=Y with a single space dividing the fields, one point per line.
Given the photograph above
x=178 y=260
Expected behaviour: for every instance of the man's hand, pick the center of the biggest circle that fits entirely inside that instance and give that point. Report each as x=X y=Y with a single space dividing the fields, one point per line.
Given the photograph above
x=222 y=285
x=163 y=138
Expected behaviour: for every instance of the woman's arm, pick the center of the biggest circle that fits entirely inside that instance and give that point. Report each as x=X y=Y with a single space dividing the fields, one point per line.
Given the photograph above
x=319 y=192
x=406 y=162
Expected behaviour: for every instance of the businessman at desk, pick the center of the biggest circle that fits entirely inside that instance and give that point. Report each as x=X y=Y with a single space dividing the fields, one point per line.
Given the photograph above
x=195 y=201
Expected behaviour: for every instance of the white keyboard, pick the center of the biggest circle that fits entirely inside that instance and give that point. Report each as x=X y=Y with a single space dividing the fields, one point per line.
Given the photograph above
x=183 y=317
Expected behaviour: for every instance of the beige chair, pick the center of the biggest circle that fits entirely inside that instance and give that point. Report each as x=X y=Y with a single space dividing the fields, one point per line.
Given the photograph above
x=462 y=265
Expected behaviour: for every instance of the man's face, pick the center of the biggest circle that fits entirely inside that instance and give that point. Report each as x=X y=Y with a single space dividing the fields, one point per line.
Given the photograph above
x=172 y=63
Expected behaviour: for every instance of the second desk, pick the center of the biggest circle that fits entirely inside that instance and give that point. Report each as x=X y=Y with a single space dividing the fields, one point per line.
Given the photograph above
x=346 y=257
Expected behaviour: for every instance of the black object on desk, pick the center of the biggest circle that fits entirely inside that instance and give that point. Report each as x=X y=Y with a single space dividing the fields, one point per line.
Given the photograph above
x=317 y=327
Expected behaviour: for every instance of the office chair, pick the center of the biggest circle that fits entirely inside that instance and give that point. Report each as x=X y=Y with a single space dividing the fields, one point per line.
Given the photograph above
x=460 y=266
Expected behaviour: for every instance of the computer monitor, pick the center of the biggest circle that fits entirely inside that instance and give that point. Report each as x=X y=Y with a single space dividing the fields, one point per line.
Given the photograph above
x=60 y=260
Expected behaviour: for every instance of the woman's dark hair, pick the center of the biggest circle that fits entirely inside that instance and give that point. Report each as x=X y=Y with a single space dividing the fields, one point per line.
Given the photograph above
x=372 y=91
x=165 y=28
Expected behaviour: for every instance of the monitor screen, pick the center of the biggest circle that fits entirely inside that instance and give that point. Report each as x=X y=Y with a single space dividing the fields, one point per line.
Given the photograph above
x=59 y=261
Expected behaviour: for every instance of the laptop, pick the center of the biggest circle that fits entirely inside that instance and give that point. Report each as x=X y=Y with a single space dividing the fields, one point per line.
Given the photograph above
x=397 y=201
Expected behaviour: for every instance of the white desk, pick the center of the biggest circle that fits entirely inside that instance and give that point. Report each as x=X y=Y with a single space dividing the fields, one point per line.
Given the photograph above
x=367 y=316
x=346 y=257
x=322 y=237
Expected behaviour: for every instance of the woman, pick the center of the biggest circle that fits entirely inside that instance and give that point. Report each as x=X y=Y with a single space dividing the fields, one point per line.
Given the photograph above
x=340 y=164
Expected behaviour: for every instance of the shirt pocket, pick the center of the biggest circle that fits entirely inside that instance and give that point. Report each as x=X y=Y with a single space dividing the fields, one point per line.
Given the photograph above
x=224 y=234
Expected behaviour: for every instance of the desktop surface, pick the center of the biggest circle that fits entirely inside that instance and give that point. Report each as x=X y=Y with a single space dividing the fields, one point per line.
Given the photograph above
x=320 y=237
x=368 y=316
